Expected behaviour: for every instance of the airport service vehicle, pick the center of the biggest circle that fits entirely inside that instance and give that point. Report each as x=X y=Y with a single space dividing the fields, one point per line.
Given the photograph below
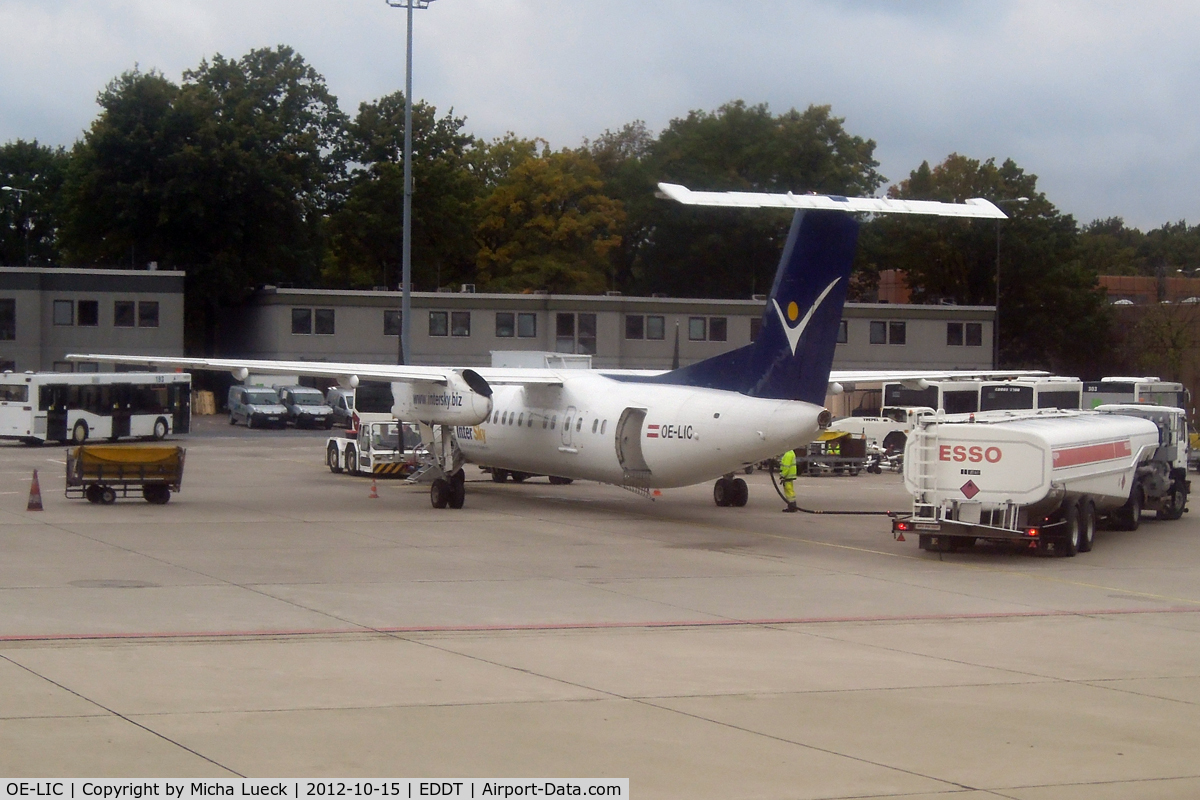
x=370 y=401
x=65 y=406
x=102 y=472
x=1043 y=477
x=889 y=431
x=256 y=407
x=646 y=430
x=376 y=448
x=1135 y=390
x=834 y=453
x=305 y=407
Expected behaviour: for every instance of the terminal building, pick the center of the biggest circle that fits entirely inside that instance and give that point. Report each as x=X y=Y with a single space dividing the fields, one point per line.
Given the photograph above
x=47 y=312
x=464 y=328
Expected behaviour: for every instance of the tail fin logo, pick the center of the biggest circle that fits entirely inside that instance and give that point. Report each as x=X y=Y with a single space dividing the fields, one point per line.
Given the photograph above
x=793 y=311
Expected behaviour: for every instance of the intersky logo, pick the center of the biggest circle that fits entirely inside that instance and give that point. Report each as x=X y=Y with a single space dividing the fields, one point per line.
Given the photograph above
x=793 y=311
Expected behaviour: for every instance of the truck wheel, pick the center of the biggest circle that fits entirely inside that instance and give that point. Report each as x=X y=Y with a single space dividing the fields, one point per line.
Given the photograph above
x=1129 y=516
x=156 y=493
x=333 y=459
x=1087 y=525
x=1069 y=545
x=1175 y=503
x=351 y=460
x=79 y=433
x=108 y=495
x=92 y=493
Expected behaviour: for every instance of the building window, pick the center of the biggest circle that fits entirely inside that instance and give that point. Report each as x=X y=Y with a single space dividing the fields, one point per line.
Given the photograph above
x=635 y=326
x=897 y=332
x=843 y=332
x=64 y=312
x=64 y=366
x=301 y=321
x=88 y=315
x=8 y=320
x=148 y=314
x=878 y=332
x=587 y=334
x=323 y=321
x=755 y=328
x=954 y=334
x=460 y=323
x=564 y=333
x=718 y=329
x=439 y=323
x=505 y=325
x=696 y=329
x=87 y=366
x=526 y=326
x=974 y=334
x=391 y=323
x=656 y=327
x=124 y=314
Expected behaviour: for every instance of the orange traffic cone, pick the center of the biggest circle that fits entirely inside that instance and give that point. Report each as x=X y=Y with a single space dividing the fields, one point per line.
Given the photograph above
x=35 y=495
x=374 y=495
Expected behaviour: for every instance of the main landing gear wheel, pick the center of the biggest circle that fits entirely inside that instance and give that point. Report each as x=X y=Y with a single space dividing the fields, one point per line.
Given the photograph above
x=730 y=492
x=499 y=475
x=439 y=492
x=458 y=490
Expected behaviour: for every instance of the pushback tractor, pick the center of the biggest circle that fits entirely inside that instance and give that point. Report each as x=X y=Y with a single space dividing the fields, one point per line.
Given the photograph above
x=1043 y=479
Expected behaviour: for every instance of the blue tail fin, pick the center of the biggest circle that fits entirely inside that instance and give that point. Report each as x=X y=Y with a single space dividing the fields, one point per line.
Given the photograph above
x=794 y=352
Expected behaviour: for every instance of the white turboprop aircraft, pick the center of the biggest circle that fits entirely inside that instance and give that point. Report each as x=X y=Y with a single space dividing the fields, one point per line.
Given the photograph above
x=647 y=430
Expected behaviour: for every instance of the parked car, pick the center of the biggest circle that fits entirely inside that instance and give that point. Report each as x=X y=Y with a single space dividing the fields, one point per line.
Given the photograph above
x=256 y=407
x=342 y=402
x=306 y=408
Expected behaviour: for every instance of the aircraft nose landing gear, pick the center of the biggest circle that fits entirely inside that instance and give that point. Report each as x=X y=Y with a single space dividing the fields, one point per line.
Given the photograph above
x=448 y=492
x=730 y=491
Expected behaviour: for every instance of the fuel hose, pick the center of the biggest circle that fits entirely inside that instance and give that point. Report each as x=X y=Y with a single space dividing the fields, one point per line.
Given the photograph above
x=779 y=491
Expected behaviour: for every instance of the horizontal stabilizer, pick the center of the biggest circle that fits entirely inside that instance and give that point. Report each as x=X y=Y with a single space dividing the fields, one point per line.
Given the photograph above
x=974 y=207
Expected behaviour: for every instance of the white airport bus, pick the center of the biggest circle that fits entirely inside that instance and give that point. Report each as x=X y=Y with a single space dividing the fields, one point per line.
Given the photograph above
x=1030 y=393
x=954 y=396
x=1135 y=390
x=62 y=406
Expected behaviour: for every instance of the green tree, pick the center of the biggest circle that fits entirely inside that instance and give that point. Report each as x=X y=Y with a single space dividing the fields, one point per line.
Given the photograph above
x=366 y=233
x=227 y=176
x=722 y=253
x=1052 y=314
x=30 y=210
x=548 y=224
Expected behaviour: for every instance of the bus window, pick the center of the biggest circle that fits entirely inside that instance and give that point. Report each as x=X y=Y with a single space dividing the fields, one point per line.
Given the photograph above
x=996 y=398
x=960 y=402
x=896 y=394
x=18 y=393
x=1058 y=399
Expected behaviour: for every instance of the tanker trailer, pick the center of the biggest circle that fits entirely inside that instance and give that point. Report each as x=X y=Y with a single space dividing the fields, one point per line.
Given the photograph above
x=1042 y=478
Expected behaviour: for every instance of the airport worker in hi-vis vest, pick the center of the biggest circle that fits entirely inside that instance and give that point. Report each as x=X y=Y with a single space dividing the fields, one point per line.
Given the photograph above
x=787 y=475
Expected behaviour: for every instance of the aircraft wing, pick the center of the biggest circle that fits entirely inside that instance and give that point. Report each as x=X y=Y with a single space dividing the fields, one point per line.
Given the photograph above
x=241 y=367
x=974 y=207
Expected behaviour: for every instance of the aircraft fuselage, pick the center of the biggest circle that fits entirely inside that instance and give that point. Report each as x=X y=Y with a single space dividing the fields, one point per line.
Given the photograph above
x=598 y=428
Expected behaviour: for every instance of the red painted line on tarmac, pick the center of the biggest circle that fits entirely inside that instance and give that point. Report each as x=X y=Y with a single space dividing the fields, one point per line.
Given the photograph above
x=567 y=626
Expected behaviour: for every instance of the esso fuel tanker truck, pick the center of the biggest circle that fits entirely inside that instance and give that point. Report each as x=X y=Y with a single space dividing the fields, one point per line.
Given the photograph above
x=1043 y=477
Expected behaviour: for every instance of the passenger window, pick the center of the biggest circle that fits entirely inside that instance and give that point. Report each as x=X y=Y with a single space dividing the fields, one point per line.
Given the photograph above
x=579 y=424
x=553 y=421
x=545 y=422
x=595 y=424
x=603 y=425
x=521 y=419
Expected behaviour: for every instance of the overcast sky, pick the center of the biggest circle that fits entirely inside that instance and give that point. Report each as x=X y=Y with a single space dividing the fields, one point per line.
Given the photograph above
x=1099 y=99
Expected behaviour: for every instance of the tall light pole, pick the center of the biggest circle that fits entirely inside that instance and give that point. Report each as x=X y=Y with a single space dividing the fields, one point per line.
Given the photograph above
x=996 y=316
x=405 y=354
x=20 y=193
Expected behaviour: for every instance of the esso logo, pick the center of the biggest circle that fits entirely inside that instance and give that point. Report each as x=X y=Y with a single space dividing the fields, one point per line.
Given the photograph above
x=973 y=455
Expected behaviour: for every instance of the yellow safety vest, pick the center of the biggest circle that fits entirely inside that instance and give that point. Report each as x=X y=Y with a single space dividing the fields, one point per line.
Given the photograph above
x=787 y=466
